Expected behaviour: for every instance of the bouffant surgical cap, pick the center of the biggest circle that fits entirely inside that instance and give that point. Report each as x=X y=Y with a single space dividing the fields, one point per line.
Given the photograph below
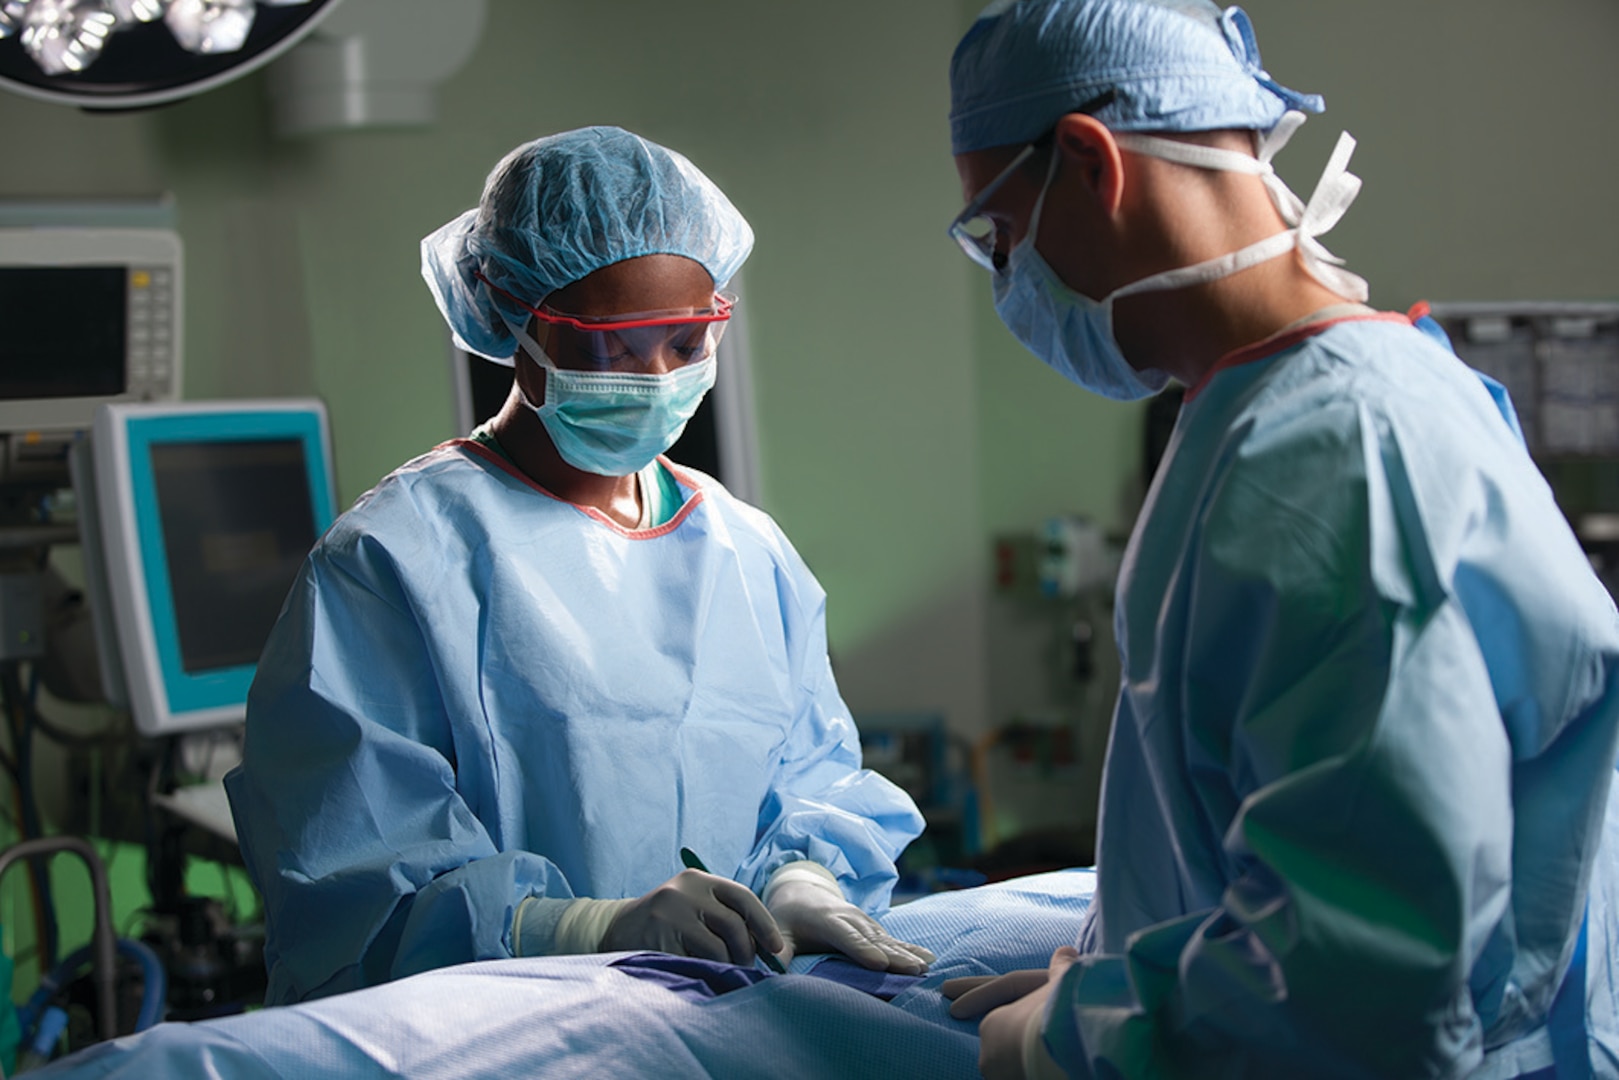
x=1141 y=65
x=558 y=208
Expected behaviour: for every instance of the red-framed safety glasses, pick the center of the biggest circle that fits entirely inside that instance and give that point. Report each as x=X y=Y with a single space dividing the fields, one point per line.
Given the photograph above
x=633 y=339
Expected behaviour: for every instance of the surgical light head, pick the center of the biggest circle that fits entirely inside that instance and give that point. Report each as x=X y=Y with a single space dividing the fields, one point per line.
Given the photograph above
x=558 y=208
x=1171 y=65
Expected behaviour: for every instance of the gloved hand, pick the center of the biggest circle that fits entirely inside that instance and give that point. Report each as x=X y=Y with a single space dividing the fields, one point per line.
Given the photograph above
x=810 y=909
x=695 y=914
x=971 y=996
x=1013 y=1010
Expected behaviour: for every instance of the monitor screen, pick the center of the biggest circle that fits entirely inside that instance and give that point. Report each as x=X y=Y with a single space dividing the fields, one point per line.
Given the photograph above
x=88 y=316
x=236 y=522
x=64 y=331
x=204 y=513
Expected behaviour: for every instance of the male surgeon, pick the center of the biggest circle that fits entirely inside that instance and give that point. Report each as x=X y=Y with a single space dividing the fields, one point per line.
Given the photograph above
x=1355 y=817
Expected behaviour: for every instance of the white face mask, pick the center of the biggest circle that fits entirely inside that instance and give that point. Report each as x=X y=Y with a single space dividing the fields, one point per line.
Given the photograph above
x=1073 y=334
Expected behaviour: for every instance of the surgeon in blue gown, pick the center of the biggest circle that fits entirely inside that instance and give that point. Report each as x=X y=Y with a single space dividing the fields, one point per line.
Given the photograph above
x=1357 y=816
x=530 y=666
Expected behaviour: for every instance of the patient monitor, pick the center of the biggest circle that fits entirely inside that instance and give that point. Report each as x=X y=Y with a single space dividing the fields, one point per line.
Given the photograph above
x=88 y=316
x=196 y=519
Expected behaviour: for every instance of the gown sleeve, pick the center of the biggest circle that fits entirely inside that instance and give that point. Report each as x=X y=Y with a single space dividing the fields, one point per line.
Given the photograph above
x=822 y=806
x=371 y=864
x=1341 y=634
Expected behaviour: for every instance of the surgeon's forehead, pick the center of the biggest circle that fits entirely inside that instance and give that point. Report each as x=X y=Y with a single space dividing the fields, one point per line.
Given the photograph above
x=644 y=283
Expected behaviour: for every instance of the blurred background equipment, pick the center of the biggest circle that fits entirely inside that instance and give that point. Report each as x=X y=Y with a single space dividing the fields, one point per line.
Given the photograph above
x=90 y=303
x=146 y=546
x=917 y=752
x=1559 y=362
x=1037 y=771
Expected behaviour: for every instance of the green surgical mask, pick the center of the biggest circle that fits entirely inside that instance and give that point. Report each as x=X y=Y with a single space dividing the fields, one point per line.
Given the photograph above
x=616 y=423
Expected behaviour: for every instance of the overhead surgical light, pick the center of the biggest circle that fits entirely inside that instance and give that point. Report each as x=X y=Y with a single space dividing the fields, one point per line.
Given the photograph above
x=210 y=26
x=119 y=54
x=130 y=12
x=64 y=35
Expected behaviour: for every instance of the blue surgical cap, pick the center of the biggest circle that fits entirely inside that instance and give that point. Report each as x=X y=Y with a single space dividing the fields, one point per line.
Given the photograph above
x=556 y=209
x=1160 y=65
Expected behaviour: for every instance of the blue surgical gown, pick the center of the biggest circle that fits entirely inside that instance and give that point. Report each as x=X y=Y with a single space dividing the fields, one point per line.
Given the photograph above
x=1359 y=778
x=478 y=693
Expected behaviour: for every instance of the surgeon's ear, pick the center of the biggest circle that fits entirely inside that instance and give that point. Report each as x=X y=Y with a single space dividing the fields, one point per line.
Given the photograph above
x=1089 y=151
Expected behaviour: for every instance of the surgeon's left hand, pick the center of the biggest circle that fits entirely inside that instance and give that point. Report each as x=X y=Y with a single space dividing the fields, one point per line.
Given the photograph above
x=1013 y=1002
x=814 y=917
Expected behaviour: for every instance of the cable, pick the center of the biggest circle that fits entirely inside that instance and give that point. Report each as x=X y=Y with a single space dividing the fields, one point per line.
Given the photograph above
x=17 y=717
x=112 y=732
x=35 y=828
x=39 y=898
x=94 y=798
x=8 y=758
x=154 y=985
x=165 y=854
x=10 y=766
x=149 y=827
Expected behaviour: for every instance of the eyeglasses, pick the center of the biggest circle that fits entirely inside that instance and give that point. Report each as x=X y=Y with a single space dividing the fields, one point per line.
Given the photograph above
x=972 y=229
x=633 y=339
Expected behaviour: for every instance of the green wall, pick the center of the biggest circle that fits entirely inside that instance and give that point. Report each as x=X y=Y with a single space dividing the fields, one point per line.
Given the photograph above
x=1486 y=144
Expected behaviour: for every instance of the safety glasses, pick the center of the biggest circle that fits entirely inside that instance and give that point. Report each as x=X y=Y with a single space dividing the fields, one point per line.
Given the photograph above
x=632 y=340
x=972 y=229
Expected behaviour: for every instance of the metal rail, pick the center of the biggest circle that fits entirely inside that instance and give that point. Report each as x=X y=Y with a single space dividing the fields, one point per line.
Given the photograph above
x=103 y=942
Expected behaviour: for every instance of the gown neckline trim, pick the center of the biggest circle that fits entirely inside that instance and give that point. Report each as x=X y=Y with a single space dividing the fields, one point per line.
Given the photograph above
x=1286 y=339
x=693 y=499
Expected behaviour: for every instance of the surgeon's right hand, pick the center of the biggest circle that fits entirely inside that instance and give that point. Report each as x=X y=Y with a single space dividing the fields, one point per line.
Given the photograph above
x=696 y=914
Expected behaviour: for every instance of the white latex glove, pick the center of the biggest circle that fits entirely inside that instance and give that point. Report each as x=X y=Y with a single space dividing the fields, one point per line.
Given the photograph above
x=694 y=914
x=813 y=916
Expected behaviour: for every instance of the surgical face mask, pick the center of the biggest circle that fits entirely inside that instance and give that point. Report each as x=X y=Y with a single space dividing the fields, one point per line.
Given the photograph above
x=615 y=423
x=1073 y=334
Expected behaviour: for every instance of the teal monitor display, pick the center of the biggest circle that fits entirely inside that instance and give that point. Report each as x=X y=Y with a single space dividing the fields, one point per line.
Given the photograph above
x=205 y=513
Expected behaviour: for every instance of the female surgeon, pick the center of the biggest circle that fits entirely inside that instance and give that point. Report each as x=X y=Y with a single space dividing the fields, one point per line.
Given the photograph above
x=529 y=667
